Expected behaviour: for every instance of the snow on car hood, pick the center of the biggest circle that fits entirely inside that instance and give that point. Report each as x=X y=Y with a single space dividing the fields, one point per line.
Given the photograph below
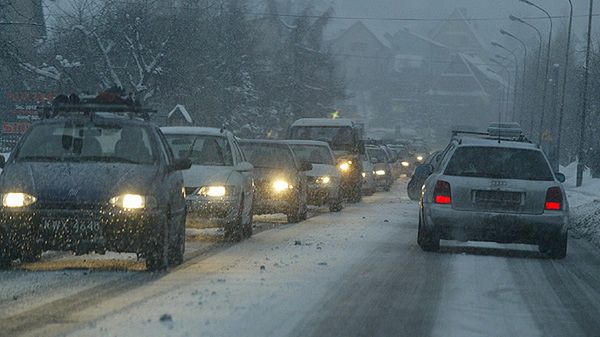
x=78 y=182
x=198 y=175
x=320 y=170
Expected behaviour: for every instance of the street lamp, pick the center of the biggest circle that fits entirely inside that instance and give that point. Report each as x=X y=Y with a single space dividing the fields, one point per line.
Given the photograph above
x=564 y=84
x=504 y=32
x=580 y=151
x=547 y=66
x=496 y=44
x=539 y=57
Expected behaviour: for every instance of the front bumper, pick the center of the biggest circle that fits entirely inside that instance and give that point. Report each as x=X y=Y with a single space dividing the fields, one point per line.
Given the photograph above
x=81 y=231
x=208 y=213
x=273 y=204
x=319 y=194
x=454 y=224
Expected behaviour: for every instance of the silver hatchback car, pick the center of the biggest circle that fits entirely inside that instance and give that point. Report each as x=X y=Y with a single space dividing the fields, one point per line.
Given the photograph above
x=492 y=187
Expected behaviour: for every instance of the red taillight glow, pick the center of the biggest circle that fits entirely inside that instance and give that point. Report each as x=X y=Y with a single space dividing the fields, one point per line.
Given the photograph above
x=554 y=199
x=442 y=193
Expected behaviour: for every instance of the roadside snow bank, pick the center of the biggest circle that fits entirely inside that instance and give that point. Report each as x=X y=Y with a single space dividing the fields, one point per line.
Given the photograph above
x=585 y=204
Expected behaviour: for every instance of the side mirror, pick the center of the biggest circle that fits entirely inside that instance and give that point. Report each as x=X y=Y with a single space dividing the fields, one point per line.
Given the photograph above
x=559 y=176
x=2 y=161
x=244 y=167
x=305 y=166
x=424 y=170
x=374 y=161
x=181 y=164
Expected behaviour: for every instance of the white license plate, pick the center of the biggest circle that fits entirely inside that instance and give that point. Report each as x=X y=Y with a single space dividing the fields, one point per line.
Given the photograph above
x=66 y=225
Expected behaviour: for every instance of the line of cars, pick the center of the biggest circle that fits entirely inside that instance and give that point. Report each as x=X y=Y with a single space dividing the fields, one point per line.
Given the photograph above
x=95 y=175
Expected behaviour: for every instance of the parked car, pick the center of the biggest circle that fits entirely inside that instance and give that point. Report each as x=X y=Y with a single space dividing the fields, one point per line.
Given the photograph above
x=219 y=185
x=324 y=180
x=382 y=167
x=279 y=178
x=498 y=187
x=88 y=179
x=421 y=174
x=369 y=184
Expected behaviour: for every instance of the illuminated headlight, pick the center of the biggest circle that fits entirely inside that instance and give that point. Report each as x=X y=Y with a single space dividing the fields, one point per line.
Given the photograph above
x=420 y=158
x=364 y=174
x=345 y=167
x=132 y=201
x=405 y=164
x=281 y=186
x=380 y=172
x=323 y=180
x=215 y=191
x=15 y=200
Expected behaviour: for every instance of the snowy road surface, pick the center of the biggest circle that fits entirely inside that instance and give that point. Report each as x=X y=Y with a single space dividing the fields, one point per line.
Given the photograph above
x=356 y=273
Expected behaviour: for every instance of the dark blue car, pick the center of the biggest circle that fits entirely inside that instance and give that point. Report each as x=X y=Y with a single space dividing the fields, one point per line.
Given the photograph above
x=93 y=182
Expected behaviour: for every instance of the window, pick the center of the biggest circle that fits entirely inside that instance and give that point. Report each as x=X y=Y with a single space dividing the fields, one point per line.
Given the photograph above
x=202 y=150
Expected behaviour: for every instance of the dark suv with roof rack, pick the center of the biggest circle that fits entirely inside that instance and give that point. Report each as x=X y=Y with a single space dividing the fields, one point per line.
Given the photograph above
x=494 y=186
x=93 y=175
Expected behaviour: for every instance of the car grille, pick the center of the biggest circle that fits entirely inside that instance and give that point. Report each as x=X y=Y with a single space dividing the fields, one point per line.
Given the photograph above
x=53 y=205
x=498 y=200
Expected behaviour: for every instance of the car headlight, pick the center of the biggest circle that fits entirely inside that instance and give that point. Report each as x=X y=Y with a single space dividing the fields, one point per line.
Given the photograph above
x=405 y=164
x=281 y=186
x=345 y=166
x=420 y=158
x=216 y=191
x=380 y=172
x=324 y=180
x=15 y=200
x=132 y=201
x=364 y=174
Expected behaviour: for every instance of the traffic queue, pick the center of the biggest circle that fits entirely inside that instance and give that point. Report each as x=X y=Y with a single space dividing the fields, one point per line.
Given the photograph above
x=94 y=174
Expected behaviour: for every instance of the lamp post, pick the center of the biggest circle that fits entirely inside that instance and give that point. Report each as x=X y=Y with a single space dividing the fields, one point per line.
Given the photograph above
x=580 y=150
x=539 y=58
x=497 y=45
x=564 y=84
x=504 y=32
x=527 y=2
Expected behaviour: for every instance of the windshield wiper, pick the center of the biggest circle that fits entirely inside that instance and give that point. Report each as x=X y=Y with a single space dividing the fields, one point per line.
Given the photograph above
x=41 y=158
x=108 y=159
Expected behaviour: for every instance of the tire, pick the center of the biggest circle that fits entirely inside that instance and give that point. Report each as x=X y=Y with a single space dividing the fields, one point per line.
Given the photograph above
x=368 y=192
x=31 y=251
x=247 y=227
x=234 y=231
x=177 y=244
x=429 y=241
x=5 y=261
x=157 y=255
x=555 y=247
x=387 y=188
x=355 y=195
x=300 y=212
x=336 y=205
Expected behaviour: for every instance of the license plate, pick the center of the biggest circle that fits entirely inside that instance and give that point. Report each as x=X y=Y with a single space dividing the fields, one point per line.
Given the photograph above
x=73 y=226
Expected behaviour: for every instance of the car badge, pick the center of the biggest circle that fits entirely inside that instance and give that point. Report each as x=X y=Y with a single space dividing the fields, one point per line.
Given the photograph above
x=73 y=192
x=498 y=183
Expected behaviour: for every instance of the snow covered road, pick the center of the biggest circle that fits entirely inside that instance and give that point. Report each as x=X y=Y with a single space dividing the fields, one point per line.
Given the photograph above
x=356 y=273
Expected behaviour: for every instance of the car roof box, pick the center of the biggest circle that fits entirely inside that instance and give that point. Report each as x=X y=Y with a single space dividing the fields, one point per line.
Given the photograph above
x=505 y=130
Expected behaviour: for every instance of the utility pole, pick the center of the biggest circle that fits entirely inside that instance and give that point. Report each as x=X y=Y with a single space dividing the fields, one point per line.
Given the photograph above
x=580 y=149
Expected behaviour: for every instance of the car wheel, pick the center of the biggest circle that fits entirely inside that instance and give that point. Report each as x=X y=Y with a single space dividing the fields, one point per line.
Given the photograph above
x=177 y=247
x=248 y=225
x=158 y=251
x=413 y=193
x=234 y=231
x=336 y=205
x=429 y=241
x=298 y=214
x=5 y=261
x=355 y=195
x=556 y=247
x=387 y=188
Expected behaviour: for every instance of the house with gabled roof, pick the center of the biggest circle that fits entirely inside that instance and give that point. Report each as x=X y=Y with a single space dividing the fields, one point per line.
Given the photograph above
x=459 y=34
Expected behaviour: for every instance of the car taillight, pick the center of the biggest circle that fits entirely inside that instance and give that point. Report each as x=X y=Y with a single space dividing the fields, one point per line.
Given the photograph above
x=554 y=199
x=442 y=193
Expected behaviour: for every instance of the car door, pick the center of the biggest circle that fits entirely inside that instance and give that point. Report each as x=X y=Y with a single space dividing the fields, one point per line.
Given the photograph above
x=173 y=181
x=247 y=177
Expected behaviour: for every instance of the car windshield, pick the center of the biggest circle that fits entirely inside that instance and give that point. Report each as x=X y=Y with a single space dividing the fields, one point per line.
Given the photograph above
x=268 y=155
x=339 y=138
x=314 y=154
x=378 y=154
x=202 y=150
x=499 y=163
x=87 y=142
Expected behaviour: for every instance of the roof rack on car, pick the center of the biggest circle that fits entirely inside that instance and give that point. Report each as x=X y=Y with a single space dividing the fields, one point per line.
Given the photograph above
x=109 y=101
x=496 y=131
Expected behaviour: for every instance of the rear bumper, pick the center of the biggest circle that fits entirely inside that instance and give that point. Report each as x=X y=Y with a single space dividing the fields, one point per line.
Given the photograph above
x=494 y=227
x=80 y=231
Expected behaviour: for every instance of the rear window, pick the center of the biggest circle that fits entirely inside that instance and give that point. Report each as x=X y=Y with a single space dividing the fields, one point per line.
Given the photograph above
x=499 y=163
x=267 y=155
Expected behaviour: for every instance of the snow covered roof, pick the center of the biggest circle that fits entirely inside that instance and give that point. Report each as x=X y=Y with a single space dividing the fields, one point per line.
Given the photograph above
x=183 y=111
x=458 y=15
x=490 y=142
x=477 y=62
x=323 y=122
x=192 y=130
x=307 y=142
